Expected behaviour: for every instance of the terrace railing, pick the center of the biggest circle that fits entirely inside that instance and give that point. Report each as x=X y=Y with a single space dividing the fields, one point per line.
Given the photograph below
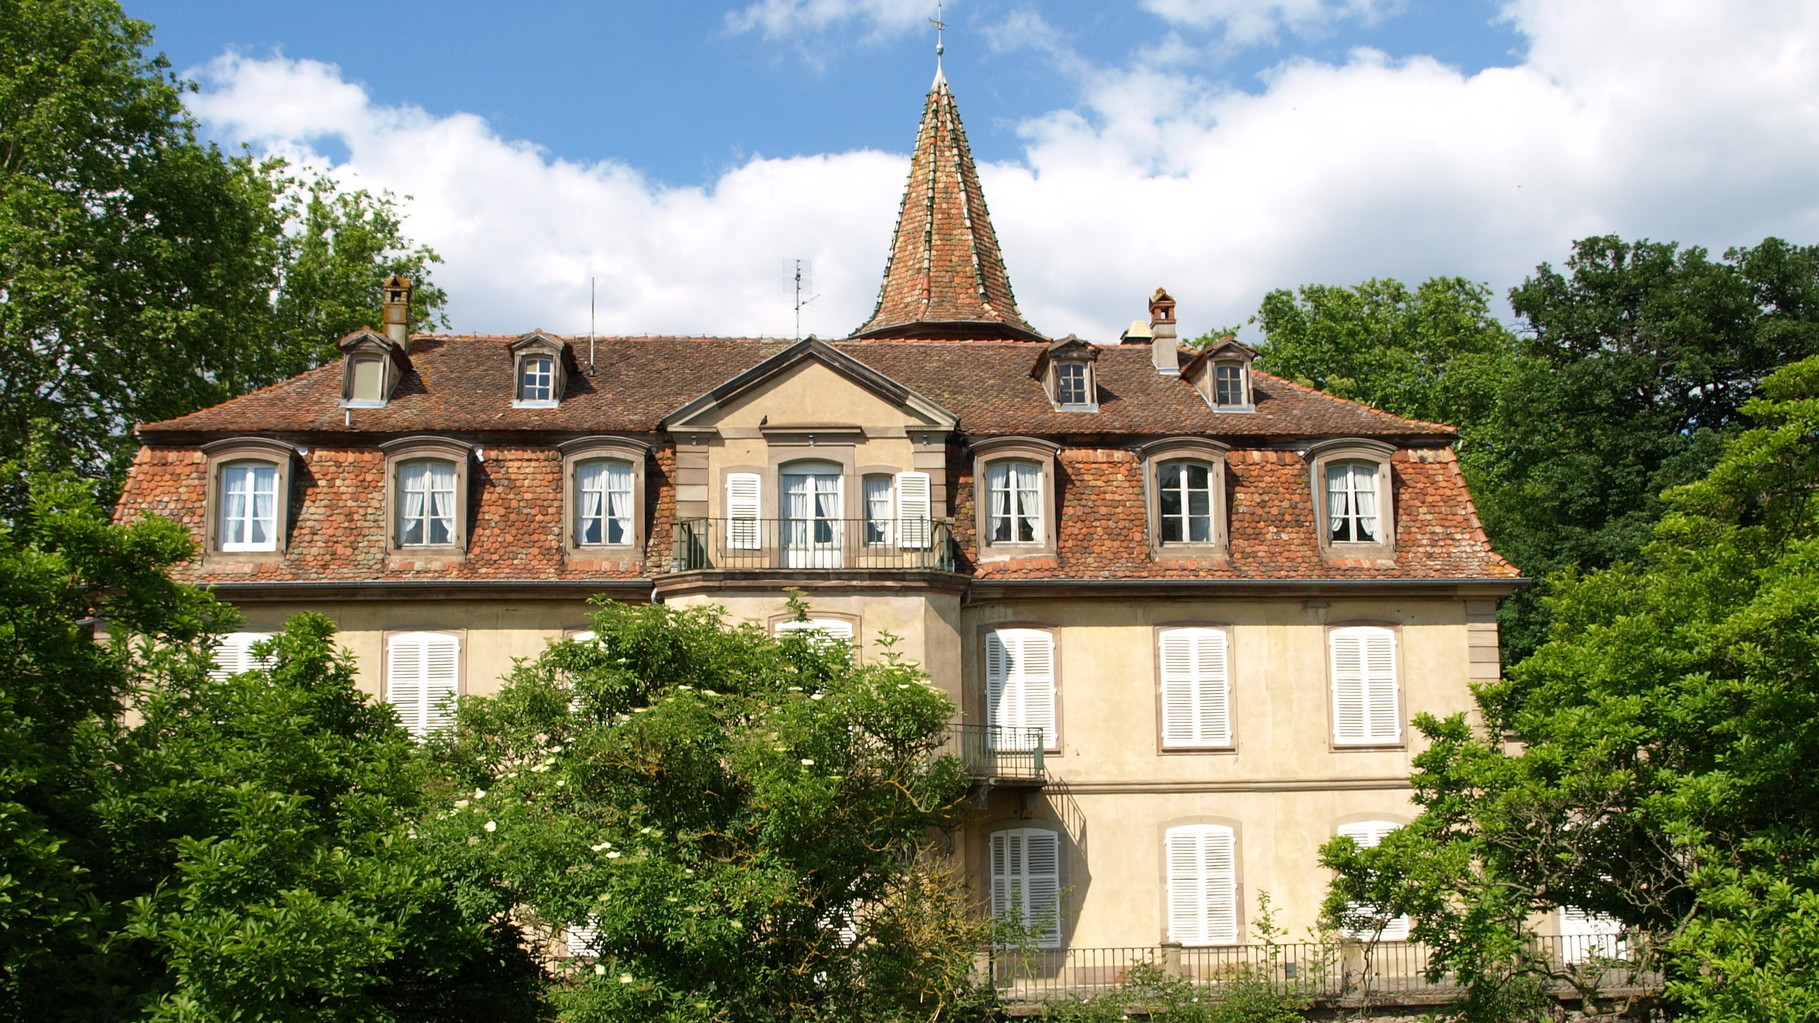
x=999 y=756
x=813 y=544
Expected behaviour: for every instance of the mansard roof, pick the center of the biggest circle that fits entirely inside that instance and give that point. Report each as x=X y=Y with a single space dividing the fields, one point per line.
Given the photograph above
x=945 y=277
x=463 y=384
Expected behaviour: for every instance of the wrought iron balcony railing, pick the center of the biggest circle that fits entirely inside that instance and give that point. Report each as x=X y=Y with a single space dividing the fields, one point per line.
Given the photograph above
x=1000 y=756
x=813 y=544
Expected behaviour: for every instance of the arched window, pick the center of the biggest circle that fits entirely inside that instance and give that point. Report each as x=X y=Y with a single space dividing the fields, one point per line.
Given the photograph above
x=1353 y=501
x=603 y=503
x=1014 y=485
x=1185 y=482
x=1184 y=502
x=1352 y=508
x=426 y=503
x=249 y=495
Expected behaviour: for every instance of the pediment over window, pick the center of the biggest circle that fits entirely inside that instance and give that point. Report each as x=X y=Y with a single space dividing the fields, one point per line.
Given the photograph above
x=800 y=387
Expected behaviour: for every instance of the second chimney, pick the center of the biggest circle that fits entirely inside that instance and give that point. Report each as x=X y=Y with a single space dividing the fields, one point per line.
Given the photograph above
x=398 y=311
x=1164 y=351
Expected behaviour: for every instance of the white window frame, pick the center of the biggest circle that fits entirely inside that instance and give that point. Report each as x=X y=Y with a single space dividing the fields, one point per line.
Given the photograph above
x=422 y=669
x=625 y=489
x=427 y=517
x=1020 y=685
x=536 y=381
x=1186 y=492
x=1366 y=686
x=248 y=519
x=1350 y=486
x=1016 y=479
x=1194 y=668
x=1025 y=869
x=1201 y=862
x=1368 y=834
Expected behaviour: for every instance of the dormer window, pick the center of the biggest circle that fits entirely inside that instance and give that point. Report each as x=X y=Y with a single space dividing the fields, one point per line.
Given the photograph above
x=1228 y=385
x=1066 y=372
x=371 y=368
x=1222 y=375
x=538 y=376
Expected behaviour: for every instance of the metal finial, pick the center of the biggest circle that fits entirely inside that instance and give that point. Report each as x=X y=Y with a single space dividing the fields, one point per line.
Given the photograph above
x=939 y=25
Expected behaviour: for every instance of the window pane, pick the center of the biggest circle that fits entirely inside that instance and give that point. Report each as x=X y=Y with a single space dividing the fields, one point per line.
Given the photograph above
x=368 y=376
x=878 y=510
x=537 y=378
x=249 y=510
x=1184 y=502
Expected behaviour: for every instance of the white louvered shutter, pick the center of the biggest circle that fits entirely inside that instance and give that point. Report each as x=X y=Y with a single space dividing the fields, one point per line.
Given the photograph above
x=422 y=673
x=581 y=937
x=1202 y=885
x=743 y=499
x=1026 y=882
x=1020 y=684
x=1195 y=690
x=823 y=630
x=235 y=654
x=915 y=513
x=1368 y=834
x=1366 y=702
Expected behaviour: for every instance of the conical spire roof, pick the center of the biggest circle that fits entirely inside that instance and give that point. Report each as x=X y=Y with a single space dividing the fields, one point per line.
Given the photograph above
x=945 y=277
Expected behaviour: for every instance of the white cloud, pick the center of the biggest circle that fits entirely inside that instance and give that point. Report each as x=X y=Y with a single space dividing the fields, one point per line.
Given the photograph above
x=1245 y=22
x=1677 y=120
x=779 y=19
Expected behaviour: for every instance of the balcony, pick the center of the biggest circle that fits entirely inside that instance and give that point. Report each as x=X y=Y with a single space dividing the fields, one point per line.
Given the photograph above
x=999 y=757
x=812 y=545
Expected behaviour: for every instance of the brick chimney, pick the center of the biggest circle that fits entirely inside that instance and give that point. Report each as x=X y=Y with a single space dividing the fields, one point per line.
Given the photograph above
x=1164 y=351
x=398 y=311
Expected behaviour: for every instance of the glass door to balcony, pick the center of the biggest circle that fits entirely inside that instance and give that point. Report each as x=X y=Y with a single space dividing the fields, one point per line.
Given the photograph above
x=812 y=511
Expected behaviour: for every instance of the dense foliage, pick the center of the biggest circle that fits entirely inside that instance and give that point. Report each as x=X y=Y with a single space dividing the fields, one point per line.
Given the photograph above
x=144 y=274
x=1660 y=772
x=1631 y=372
x=738 y=821
x=177 y=846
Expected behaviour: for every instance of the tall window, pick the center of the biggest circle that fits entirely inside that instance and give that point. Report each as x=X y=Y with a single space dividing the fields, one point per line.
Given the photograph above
x=422 y=672
x=1366 y=705
x=1351 y=503
x=1196 y=709
x=366 y=383
x=603 y=503
x=1184 y=502
x=249 y=507
x=1026 y=882
x=1071 y=384
x=1202 y=885
x=1228 y=384
x=235 y=654
x=426 y=508
x=537 y=378
x=1370 y=922
x=1014 y=492
x=1020 y=687
x=880 y=509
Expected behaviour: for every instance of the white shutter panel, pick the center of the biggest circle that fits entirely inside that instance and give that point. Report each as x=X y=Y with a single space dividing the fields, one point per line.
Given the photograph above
x=1020 y=684
x=235 y=654
x=821 y=630
x=1368 y=834
x=1003 y=703
x=1349 y=708
x=1026 y=882
x=1195 y=702
x=743 y=498
x=581 y=937
x=1037 y=677
x=915 y=512
x=404 y=680
x=1380 y=686
x=422 y=670
x=1202 y=885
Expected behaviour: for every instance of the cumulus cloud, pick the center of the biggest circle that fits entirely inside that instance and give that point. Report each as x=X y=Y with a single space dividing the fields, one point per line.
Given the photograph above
x=1668 y=119
x=778 y=19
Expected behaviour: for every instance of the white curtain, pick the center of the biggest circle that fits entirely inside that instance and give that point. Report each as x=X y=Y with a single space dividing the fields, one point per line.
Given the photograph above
x=618 y=503
x=590 y=511
x=1364 y=499
x=1029 y=504
x=233 y=506
x=264 y=484
x=1338 y=506
x=998 y=483
x=878 y=511
x=428 y=514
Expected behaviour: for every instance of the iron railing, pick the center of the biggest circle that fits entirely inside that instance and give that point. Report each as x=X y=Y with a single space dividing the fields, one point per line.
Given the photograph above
x=813 y=544
x=1325 y=972
x=997 y=755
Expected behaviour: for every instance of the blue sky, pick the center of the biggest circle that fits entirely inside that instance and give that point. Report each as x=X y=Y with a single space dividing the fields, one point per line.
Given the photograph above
x=683 y=154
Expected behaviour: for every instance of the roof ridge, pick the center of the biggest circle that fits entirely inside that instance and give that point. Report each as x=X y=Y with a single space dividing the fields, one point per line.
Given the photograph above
x=1429 y=426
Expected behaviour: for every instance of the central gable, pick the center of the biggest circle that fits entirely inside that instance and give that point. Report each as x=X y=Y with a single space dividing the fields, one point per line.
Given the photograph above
x=809 y=385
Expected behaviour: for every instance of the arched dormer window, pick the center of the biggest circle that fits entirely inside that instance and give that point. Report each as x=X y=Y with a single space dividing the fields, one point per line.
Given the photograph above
x=539 y=371
x=1014 y=480
x=1354 y=502
x=603 y=481
x=248 y=496
x=426 y=495
x=1185 y=482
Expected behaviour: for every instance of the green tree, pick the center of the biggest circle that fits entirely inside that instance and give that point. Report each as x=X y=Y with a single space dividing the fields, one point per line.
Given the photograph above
x=144 y=274
x=175 y=846
x=1660 y=772
x=735 y=818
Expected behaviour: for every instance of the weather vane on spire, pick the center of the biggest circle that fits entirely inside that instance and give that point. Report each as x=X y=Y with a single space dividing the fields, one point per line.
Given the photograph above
x=939 y=25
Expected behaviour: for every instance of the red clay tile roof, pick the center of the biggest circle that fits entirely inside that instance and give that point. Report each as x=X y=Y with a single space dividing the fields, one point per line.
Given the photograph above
x=463 y=384
x=945 y=277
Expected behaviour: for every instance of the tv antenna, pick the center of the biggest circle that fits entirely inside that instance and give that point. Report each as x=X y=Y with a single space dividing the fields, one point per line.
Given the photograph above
x=804 y=283
x=592 y=285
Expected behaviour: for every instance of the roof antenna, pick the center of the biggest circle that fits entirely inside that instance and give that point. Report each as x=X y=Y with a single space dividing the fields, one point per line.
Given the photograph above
x=939 y=48
x=804 y=282
x=590 y=324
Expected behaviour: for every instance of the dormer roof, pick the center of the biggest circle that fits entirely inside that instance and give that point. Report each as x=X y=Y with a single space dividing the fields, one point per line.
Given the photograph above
x=945 y=278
